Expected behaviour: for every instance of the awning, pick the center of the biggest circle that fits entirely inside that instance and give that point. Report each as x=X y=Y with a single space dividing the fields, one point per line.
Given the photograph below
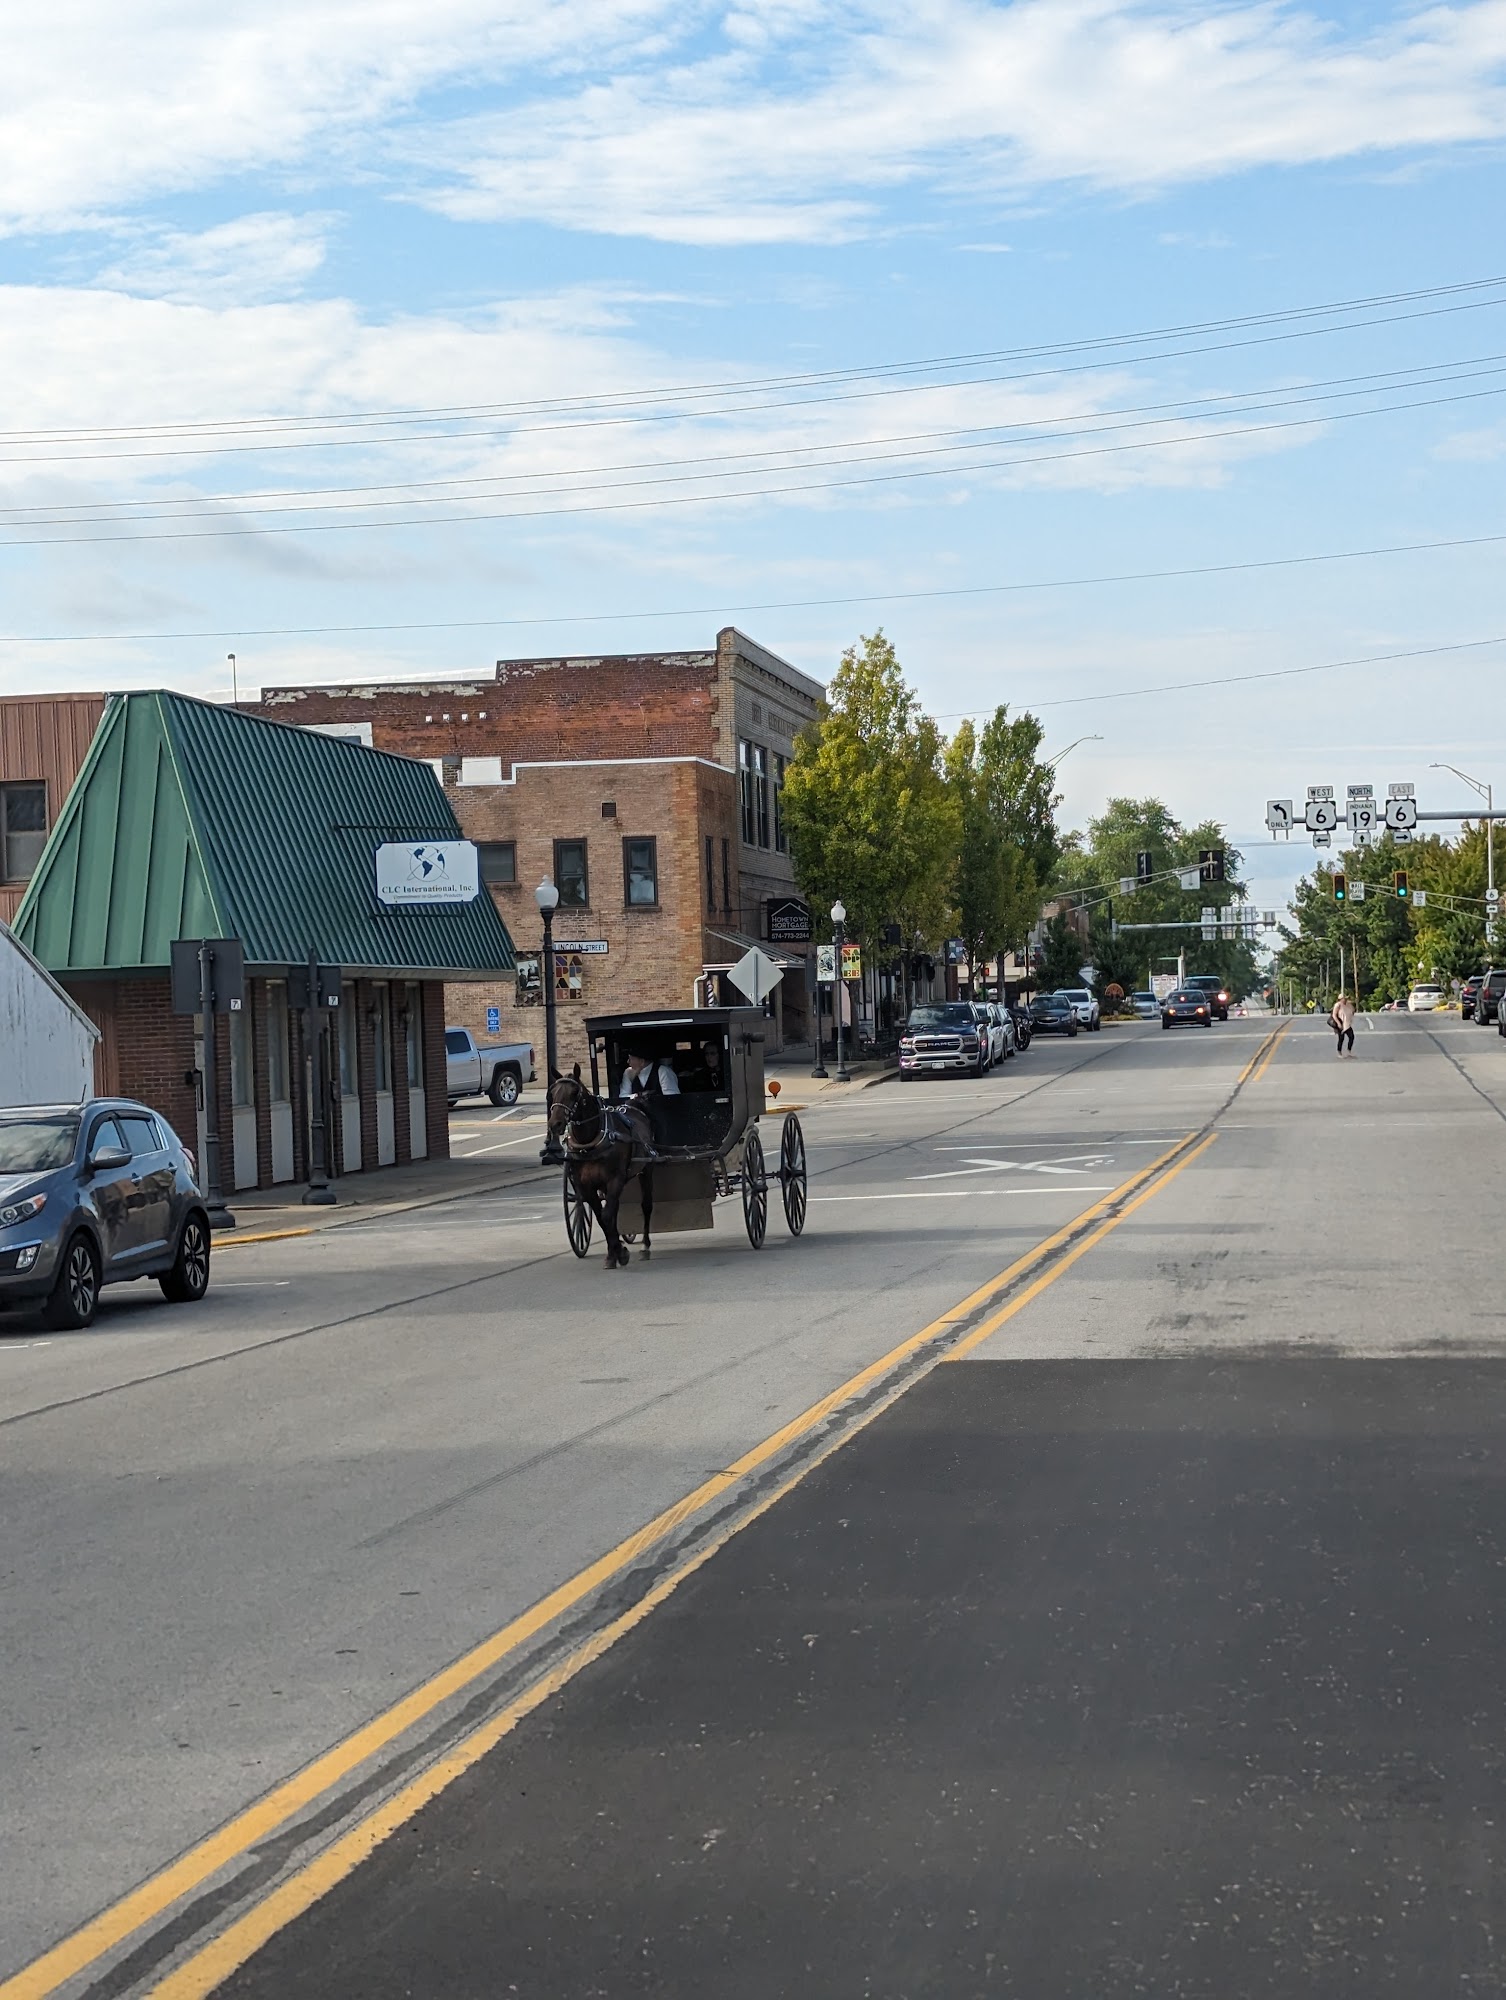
x=779 y=954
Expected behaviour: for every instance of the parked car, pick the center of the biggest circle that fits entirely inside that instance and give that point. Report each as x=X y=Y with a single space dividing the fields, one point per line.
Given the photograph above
x=1053 y=1014
x=96 y=1194
x=1082 y=1003
x=1216 y=991
x=1189 y=1006
x=1146 y=1006
x=1488 y=998
x=1467 y=995
x=497 y=1071
x=944 y=1036
x=1001 y=1023
x=1423 y=999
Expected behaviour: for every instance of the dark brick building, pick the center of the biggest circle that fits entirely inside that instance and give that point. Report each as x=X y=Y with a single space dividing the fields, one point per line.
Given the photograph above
x=654 y=778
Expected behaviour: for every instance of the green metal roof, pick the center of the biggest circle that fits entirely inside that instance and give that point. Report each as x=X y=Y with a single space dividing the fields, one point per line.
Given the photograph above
x=191 y=820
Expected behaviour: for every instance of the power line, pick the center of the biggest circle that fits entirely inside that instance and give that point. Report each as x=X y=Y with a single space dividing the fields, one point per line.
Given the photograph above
x=928 y=444
x=745 y=493
x=235 y=427
x=771 y=604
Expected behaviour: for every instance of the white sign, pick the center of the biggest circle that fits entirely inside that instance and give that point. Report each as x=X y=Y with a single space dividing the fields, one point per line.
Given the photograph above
x=1420 y=898
x=419 y=875
x=1210 y=924
x=1320 y=791
x=826 y=962
x=1362 y=791
x=1356 y=892
x=1401 y=813
x=756 y=975
x=1401 y=791
x=1268 y=919
x=1190 y=878
x=581 y=947
x=1401 y=838
x=1163 y=984
x=1126 y=885
x=1362 y=816
x=1278 y=815
x=1322 y=816
x=1492 y=895
x=1322 y=840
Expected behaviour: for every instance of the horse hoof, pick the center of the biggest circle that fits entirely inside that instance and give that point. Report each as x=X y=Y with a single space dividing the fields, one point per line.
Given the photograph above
x=646 y=1253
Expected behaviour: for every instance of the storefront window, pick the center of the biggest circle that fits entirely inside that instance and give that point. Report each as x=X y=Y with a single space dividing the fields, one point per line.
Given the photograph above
x=277 y=1042
x=348 y=1071
x=413 y=1006
x=242 y=1068
x=382 y=1036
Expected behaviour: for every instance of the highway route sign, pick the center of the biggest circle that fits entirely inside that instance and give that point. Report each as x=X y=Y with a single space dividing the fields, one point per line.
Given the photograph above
x=1492 y=896
x=1401 y=791
x=1321 y=839
x=1322 y=816
x=1320 y=791
x=1401 y=837
x=1401 y=814
x=1362 y=815
x=1278 y=815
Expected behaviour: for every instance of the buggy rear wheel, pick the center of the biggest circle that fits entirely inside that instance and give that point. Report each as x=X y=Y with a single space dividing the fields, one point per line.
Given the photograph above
x=792 y=1182
x=577 y=1217
x=755 y=1189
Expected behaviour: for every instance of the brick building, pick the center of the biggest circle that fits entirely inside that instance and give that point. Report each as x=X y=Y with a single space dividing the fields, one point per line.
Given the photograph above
x=44 y=740
x=189 y=820
x=645 y=785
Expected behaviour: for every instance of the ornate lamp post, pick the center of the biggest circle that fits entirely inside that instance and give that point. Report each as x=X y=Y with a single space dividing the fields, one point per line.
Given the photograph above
x=547 y=897
x=838 y=918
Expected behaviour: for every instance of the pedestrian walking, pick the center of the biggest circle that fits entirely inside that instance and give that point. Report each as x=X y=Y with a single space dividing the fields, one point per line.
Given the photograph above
x=1341 y=1020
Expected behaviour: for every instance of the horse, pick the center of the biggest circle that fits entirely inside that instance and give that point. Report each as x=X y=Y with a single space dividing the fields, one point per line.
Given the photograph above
x=604 y=1154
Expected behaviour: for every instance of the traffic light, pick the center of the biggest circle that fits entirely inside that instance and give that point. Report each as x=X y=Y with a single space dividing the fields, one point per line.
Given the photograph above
x=1144 y=867
x=1340 y=888
x=1403 y=888
x=1211 y=864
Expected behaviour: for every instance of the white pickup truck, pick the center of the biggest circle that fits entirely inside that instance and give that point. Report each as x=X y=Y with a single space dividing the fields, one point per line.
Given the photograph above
x=471 y=1070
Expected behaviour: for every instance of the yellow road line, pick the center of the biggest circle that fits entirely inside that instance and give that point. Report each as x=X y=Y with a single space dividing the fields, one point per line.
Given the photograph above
x=228 y=1241
x=1266 y=1054
x=991 y=1326
x=152 y=1898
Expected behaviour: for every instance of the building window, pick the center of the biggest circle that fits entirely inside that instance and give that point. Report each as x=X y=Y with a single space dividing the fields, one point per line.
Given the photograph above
x=349 y=1073
x=381 y=1067
x=498 y=862
x=727 y=878
x=277 y=1041
x=753 y=785
x=23 y=830
x=242 y=1067
x=781 y=838
x=570 y=876
x=640 y=874
x=710 y=875
x=413 y=1025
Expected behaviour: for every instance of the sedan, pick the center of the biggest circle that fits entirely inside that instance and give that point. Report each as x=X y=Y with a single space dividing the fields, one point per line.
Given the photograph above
x=1187 y=1007
x=1468 y=993
x=91 y=1195
x=1053 y=1014
x=1001 y=1022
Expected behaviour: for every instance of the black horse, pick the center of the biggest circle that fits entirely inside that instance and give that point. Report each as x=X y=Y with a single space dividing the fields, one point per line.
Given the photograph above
x=605 y=1149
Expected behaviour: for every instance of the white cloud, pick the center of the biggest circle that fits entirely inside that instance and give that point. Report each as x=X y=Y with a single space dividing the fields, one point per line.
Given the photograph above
x=254 y=257
x=104 y=105
x=737 y=148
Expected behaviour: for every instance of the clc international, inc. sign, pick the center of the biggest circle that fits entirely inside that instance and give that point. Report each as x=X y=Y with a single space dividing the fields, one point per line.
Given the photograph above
x=426 y=874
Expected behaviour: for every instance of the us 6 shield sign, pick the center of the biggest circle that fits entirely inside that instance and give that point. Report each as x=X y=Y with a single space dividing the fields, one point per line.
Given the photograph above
x=1322 y=816
x=1401 y=814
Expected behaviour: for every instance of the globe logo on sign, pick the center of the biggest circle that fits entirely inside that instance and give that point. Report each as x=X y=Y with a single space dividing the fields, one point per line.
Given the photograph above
x=428 y=862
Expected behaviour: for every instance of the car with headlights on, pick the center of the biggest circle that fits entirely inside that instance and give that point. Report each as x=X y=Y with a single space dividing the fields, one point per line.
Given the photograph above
x=1214 y=991
x=1052 y=1014
x=1187 y=1007
x=945 y=1037
x=91 y=1195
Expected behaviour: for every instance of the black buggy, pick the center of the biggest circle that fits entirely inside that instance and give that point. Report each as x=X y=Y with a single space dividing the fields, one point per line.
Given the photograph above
x=707 y=1138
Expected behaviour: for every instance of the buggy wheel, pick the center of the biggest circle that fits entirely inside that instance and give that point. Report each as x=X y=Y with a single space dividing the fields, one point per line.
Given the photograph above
x=792 y=1173
x=755 y=1189
x=577 y=1217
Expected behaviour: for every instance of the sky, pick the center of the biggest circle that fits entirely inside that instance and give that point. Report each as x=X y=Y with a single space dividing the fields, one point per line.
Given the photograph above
x=1115 y=359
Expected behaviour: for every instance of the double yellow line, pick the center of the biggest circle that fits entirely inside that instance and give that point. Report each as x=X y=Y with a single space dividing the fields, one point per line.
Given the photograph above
x=954 y=1336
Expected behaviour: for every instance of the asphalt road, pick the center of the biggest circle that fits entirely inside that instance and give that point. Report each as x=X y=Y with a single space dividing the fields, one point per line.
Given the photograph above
x=1146 y=1646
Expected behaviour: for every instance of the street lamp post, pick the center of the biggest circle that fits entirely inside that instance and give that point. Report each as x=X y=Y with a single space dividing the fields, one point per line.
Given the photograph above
x=820 y=1069
x=838 y=918
x=547 y=897
x=1487 y=793
x=1052 y=762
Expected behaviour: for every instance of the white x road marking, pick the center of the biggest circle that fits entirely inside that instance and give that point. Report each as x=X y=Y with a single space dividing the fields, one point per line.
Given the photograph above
x=1071 y=1163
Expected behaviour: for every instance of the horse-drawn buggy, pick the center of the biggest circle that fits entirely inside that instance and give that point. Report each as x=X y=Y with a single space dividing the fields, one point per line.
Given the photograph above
x=667 y=1124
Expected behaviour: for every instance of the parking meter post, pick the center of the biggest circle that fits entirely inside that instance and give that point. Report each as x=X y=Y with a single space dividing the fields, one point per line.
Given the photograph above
x=214 y=1200
x=318 y=1193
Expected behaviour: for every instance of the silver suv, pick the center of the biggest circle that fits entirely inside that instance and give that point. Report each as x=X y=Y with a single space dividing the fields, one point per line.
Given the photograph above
x=96 y=1194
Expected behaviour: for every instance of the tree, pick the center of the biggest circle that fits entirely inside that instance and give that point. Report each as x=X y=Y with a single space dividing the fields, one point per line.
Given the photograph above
x=871 y=819
x=1061 y=955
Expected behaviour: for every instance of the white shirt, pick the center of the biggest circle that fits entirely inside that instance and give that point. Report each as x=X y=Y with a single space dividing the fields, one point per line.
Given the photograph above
x=669 y=1083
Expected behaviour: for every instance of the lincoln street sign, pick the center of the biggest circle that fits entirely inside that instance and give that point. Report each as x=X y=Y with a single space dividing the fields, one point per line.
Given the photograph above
x=426 y=874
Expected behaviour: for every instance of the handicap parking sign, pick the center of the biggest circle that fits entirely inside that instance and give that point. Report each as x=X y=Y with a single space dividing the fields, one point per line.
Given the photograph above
x=493 y=1020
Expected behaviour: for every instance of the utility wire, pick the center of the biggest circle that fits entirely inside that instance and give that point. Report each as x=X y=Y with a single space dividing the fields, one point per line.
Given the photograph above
x=768 y=604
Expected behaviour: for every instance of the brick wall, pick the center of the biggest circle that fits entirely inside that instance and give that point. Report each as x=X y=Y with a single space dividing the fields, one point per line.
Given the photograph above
x=145 y=1048
x=654 y=955
x=628 y=705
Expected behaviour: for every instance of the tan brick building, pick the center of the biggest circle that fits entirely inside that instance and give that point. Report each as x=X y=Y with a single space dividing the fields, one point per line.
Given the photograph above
x=645 y=785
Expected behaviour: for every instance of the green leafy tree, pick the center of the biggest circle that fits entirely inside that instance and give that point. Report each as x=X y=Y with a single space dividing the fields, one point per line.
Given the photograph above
x=871 y=818
x=1062 y=955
